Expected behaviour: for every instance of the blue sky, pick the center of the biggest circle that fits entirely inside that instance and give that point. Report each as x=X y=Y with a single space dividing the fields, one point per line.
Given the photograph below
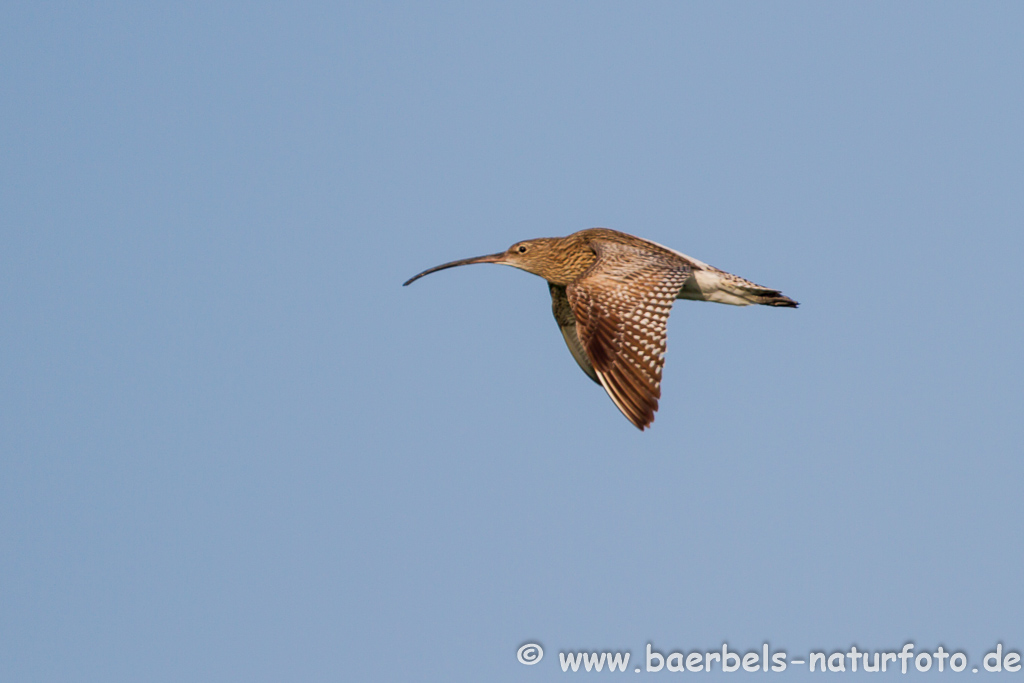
x=234 y=447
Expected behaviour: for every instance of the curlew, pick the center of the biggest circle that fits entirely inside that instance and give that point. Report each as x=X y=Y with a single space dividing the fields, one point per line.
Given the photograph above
x=611 y=294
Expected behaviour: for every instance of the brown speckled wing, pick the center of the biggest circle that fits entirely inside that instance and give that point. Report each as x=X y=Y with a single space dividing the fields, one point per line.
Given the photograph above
x=621 y=305
x=567 y=324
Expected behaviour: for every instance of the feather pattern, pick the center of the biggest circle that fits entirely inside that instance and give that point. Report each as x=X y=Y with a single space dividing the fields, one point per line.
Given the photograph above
x=567 y=324
x=621 y=305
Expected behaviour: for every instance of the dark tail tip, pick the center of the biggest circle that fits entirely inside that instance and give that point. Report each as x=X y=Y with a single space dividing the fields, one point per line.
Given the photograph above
x=778 y=299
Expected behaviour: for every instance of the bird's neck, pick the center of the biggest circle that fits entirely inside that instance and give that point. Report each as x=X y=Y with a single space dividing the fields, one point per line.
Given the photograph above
x=571 y=258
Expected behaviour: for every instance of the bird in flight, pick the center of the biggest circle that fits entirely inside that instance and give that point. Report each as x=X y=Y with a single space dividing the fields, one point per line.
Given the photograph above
x=611 y=294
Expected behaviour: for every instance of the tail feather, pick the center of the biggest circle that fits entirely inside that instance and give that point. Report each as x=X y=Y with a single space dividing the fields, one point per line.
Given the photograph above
x=775 y=298
x=711 y=284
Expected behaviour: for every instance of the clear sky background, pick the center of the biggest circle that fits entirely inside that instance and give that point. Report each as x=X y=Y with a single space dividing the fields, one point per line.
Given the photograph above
x=234 y=448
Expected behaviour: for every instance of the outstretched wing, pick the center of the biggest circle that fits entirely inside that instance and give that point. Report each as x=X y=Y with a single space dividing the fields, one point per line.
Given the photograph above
x=567 y=324
x=621 y=306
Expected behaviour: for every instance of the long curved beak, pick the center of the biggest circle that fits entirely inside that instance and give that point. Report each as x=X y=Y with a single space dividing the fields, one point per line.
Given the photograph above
x=490 y=258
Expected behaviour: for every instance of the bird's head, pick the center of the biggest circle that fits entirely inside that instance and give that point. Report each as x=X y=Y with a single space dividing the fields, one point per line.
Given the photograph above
x=541 y=256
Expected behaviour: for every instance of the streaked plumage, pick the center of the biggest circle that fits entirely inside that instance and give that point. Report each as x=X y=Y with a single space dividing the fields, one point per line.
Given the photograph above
x=611 y=295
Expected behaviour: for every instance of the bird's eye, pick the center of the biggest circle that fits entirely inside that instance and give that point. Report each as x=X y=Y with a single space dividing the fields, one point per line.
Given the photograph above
x=521 y=249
